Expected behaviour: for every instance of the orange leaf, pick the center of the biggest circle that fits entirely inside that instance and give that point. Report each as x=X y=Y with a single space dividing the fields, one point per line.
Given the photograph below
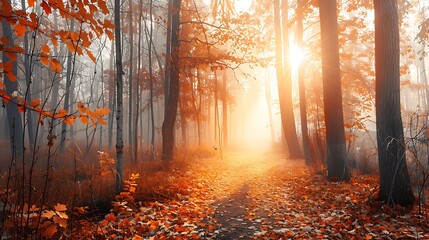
x=71 y=47
x=48 y=214
x=62 y=113
x=2 y=85
x=31 y=3
x=44 y=60
x=55 y=65
x=74 y=36
x=50 y=231
x=60 y=207
x=101 y=121
x=99 y=112
x=35 y=103
x=46 y=49
x=84 y=119
x=19 y=29
x=110 y=217
x=46 y=7
x=81 y=107
x=21 y=108
x=11 y=76
x=69 y=120
x=90 y=55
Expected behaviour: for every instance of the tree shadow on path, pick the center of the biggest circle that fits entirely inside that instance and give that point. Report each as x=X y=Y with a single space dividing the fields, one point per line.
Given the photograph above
x=231 y=214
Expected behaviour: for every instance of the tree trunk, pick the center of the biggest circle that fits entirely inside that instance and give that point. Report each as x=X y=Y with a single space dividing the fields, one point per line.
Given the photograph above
x=173 y=96
x=69 y=79
x=27 y=73
x=119 y=100
x=152 y=117
x=395 y=187
x=13 y=115
x=131 y=131
x=284 y=83
x=302 y=98
x=336 y=159
x=224 y=109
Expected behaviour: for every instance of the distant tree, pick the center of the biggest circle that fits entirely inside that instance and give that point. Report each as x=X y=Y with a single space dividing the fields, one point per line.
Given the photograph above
x=173 y=91
x=119 y=99
x=336 y=159
x=10 y=67
x=395 y=186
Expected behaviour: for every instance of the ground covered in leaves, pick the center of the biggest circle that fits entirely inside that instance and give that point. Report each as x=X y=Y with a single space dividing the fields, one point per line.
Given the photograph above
x=256 y=196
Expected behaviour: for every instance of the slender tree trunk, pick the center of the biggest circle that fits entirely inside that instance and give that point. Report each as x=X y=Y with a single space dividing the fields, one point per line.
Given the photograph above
x=152 y=117
x=269 y=107
x=168 y=55
x=337 y=159
x=131 y=131
x=395 y=186
x=27 y=69
x=289 y=126
x=302 y=98
x=119 y=100
x=69 y=79
x=225 y=109
x=13 y=115
x=112 y=98
x=173 y=96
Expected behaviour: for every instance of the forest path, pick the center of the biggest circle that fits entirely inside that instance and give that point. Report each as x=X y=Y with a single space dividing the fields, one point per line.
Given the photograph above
x=244 y=184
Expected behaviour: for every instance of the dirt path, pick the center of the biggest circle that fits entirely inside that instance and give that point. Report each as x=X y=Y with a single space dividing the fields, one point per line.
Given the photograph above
x=259 y=196
x=244 y=180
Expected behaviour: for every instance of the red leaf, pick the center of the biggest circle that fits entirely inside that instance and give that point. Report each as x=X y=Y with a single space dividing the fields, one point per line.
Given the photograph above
x=35 y=103
x=46 y=7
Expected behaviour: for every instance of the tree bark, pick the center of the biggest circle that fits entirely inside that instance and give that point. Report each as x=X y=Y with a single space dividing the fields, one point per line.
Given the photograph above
x=284 y=82
x=13 y=115
x=302 y=98
x=131 y=131
x=119 y=100
x=173 y=96
x=67 y=98
x=395 y=186
x=337 y=159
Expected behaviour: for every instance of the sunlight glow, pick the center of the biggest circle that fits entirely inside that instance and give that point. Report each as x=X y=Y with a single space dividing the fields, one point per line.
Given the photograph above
x=242 y=5
x=296 y=57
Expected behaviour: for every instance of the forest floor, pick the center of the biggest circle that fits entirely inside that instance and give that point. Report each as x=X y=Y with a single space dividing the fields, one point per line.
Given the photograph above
x=257 y=196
